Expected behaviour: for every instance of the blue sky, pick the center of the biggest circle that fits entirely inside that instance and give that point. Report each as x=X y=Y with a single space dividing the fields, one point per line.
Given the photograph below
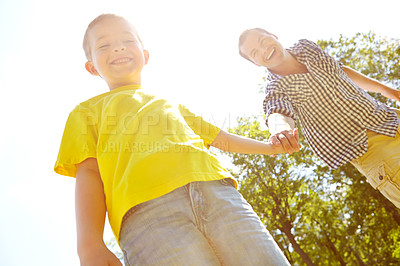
x=193 y=57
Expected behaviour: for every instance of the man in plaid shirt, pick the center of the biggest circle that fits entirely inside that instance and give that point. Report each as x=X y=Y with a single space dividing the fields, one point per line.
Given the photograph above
x=341 y=122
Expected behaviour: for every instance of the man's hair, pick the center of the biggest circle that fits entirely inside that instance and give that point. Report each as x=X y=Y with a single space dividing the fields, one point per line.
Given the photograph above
x=86 y=44
x=243 y=37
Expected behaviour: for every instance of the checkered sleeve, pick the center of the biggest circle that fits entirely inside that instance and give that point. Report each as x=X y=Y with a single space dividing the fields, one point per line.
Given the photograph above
x=277 y=101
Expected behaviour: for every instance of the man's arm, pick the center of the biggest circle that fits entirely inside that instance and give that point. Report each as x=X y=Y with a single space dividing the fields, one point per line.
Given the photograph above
x=233 y=143
x=90 y=216
x=370 y=84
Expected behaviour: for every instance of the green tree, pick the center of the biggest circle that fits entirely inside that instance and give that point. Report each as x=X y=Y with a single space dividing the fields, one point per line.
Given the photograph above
x=321 y=216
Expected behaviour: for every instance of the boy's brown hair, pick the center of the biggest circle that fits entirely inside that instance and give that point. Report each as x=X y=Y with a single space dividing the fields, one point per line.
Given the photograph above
x=86 y=44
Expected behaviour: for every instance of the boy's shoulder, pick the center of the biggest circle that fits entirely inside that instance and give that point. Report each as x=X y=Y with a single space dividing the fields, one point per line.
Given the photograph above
x=135 y=97
x=104 y=96
x=89 y=103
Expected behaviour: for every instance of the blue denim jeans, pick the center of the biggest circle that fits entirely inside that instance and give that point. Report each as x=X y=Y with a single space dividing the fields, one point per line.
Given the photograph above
x=381 y=164
x=202 y=223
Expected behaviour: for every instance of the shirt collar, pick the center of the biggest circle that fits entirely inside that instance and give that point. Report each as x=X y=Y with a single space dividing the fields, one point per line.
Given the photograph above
x=297 y=51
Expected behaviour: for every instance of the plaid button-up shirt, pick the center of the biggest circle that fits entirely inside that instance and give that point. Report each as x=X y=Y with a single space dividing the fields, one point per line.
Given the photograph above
x=334 y=113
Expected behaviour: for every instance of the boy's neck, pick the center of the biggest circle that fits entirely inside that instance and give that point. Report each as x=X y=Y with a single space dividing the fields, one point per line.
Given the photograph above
x=118 y=85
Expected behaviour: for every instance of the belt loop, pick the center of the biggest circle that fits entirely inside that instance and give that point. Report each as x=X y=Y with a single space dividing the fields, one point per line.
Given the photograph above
x=187 y=187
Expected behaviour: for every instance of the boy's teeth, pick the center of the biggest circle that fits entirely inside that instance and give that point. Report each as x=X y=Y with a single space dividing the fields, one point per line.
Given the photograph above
x=270 y=54
x=121 y=60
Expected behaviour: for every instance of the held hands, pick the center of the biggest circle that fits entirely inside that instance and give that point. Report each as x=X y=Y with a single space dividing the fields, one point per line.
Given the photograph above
x=286 y=141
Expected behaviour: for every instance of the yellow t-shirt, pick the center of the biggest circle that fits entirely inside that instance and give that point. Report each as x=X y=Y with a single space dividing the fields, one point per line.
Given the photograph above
x=145 y=147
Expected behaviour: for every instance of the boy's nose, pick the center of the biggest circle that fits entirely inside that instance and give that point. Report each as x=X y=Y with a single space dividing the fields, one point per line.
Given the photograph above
x=119 y=47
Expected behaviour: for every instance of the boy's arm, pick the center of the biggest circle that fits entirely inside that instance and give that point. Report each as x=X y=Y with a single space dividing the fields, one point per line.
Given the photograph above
x=233 y=143
x=90 y=216
x=370 y=84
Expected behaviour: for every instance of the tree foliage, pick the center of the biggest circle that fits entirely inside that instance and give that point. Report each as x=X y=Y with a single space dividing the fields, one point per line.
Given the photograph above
x=317 y=215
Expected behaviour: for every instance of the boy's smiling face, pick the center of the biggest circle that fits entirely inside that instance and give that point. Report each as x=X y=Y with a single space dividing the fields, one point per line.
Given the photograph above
x=117 y=53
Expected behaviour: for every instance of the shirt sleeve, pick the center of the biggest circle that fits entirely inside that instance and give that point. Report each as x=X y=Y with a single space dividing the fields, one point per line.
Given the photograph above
x=277 y=101
x=207 y=131
x=78 y=143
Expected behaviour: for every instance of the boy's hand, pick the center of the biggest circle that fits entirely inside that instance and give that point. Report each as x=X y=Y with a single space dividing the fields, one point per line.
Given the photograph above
x=287 y=141
x=100 y=256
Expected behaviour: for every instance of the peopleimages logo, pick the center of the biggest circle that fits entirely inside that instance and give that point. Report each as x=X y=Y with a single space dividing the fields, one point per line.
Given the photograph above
x=143 y=147
x=167 y=124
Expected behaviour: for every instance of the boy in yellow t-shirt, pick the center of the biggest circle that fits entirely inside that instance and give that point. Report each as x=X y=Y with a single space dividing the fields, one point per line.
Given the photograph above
x=146 y=163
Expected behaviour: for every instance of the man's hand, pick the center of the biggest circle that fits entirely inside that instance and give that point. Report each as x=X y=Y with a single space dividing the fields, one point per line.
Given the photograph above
x=287 y=139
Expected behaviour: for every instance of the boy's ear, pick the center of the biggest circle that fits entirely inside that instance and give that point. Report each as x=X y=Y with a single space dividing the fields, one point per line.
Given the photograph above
x=146 y=56
x=91 y=69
